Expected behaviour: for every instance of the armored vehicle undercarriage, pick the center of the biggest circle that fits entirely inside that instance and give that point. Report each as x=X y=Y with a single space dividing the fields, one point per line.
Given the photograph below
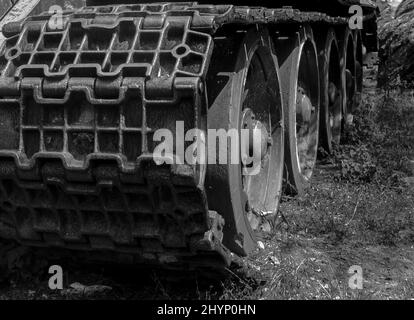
x=84 y=90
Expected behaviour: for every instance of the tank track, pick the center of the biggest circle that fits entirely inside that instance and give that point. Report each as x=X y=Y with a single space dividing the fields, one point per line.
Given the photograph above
x=68 y=171
x=162 y=220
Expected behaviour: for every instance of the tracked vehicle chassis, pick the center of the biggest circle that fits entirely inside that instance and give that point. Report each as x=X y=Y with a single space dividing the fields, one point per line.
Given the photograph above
x=79 y=106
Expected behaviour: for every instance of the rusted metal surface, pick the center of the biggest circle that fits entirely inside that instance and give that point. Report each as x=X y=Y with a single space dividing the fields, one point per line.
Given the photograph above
x=14 y=12
x=5 y=6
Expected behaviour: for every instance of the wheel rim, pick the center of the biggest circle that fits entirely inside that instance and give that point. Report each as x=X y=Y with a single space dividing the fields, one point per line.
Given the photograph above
x=349 y=78
x=331 y=93
x=334 y=97
x=262 y=111
x=249 y=89
x=359 y=71
x=307 y=111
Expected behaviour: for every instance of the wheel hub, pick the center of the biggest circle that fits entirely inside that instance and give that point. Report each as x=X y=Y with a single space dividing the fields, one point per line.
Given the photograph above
x=332 y=95
x=256 y=131
x=304 y=108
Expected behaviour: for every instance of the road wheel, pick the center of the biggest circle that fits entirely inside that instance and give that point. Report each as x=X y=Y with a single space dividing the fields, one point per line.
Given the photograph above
x=300 y=82
x=348 y=70
x=244 y=93
x=359 y=67
x=331 y=91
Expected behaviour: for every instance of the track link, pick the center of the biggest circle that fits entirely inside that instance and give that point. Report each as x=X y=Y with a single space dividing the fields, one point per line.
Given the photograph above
x=162 y=221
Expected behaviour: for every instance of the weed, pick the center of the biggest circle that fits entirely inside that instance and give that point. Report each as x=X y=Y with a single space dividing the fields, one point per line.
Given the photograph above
x=377 y=147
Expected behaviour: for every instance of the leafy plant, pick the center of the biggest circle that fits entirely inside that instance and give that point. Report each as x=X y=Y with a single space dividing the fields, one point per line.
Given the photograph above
x=380 y=142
